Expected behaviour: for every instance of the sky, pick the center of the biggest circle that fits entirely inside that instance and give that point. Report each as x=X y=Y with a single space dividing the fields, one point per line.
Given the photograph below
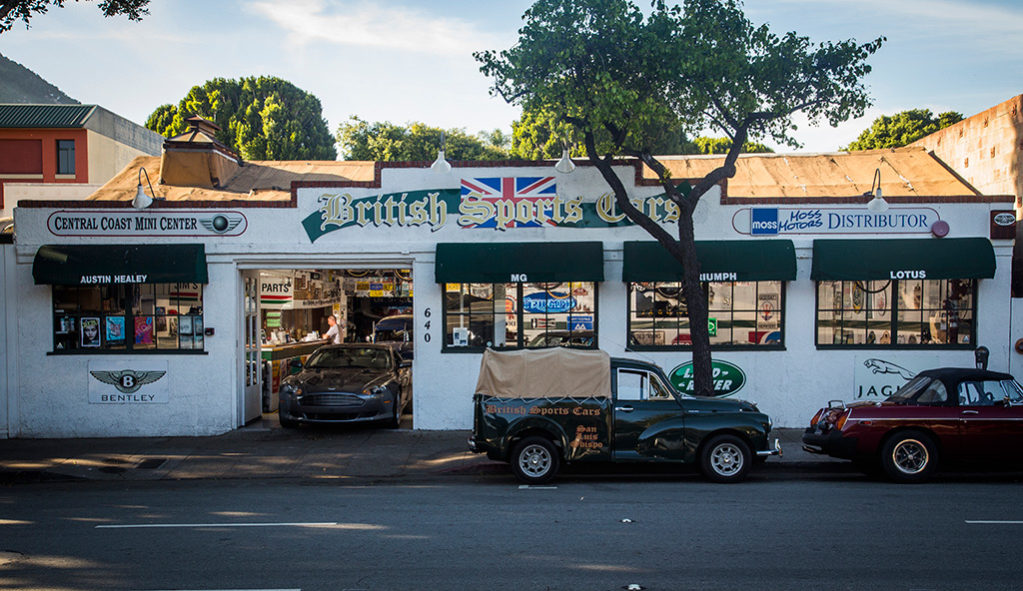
x=411 y=60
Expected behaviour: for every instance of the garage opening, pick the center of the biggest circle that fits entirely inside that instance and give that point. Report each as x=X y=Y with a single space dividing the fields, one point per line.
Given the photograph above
x=345 y=335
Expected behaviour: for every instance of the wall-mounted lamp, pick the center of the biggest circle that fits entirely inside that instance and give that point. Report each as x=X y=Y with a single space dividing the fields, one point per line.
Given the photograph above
x=565 y=165
x=141 y=200
x=440 y=164
x=877 y=204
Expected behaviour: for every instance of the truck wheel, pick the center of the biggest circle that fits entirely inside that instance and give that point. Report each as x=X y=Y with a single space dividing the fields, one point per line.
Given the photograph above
x=535 y=460
x=909 y=457
x=726 y=458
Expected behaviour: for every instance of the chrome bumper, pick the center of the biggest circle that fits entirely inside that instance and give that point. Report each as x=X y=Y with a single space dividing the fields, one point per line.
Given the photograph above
x=771 y=452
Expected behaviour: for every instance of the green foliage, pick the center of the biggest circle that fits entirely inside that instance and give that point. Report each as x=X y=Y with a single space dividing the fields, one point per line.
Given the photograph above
x=24 y=10
x=261 y=118
x=384 y=141
x=540 y=135
x=902 y=129
x=721 y=145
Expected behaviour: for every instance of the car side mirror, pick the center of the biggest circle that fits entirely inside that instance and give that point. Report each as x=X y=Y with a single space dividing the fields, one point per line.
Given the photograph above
x=1006 y=402
x=295 y=364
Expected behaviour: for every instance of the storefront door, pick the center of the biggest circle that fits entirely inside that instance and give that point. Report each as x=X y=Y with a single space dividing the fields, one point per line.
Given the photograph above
x=251 y=363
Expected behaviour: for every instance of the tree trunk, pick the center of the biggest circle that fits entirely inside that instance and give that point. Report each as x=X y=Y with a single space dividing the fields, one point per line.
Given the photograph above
x=696 y=305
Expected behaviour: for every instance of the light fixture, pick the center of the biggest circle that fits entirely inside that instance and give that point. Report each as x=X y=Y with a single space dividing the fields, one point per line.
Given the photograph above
x=565 y=165
x=441 y=165
x=877 y=204
x=141 y=200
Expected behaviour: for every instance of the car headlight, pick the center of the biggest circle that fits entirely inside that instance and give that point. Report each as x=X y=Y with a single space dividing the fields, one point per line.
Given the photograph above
x=374 y=391
x=290 y=390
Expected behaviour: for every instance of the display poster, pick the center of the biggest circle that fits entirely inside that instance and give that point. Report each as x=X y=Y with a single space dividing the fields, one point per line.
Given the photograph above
x=115 y=330
x=143 y=330
x=135 y=381
x=90 y=332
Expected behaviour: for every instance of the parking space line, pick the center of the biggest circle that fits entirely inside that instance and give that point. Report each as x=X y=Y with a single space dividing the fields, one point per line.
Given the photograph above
x=187 y=525
x=992 y=522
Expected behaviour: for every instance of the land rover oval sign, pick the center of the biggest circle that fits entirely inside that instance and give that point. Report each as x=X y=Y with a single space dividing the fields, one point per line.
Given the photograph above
x=728 y=378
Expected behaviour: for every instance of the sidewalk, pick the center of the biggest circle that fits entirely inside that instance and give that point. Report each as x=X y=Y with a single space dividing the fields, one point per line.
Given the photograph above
x=264 y=450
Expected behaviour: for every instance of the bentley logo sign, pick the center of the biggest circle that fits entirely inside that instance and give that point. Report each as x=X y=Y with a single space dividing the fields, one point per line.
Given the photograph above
x=127 y=381
x=113 y=383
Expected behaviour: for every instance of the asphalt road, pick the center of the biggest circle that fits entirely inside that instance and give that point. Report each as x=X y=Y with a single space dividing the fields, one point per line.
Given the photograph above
x=590 y=532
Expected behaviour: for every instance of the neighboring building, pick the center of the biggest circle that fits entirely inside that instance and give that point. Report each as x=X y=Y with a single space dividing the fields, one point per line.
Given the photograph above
x=813 y=296
x=79 y=147
x=985 y=149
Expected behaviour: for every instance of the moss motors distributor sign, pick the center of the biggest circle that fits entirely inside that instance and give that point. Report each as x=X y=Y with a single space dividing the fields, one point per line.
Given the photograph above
x=728 y=378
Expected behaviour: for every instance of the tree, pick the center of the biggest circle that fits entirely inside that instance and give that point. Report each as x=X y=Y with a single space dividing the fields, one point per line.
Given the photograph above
x=902 y=129
x=603 y=67
x=541 y=134
x=722 y=145
x=384 y=141
x=261 y=118
x=11 y=12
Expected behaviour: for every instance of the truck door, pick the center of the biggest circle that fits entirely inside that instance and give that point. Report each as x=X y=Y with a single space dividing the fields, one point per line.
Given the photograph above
x=647 y=418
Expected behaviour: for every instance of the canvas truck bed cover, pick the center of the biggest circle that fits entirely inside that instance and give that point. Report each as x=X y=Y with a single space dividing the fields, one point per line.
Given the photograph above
x=545 y=373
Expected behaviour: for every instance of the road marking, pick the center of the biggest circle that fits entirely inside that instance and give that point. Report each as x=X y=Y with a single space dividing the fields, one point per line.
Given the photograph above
x=536 y=487
x=233 y=590
x=145 y=525
x=992 y=522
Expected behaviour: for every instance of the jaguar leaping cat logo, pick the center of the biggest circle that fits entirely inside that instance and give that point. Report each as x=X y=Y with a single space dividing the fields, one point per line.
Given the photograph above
x=127 y=380
x=881 y=366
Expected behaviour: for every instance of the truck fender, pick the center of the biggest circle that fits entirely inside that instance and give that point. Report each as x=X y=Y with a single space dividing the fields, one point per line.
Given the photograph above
x=534 y=425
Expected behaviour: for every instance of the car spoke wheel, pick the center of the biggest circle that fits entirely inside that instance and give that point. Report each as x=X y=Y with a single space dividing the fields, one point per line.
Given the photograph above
x=535 y=460
x=909 y=457
x=726 y=458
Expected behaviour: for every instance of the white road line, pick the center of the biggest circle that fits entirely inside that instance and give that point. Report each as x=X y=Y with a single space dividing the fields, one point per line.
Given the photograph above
x=992 y=522
x=536 y=487
x=147 y=525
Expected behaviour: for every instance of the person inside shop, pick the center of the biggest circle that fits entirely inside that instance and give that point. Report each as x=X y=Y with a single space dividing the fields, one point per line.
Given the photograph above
x=334 y=332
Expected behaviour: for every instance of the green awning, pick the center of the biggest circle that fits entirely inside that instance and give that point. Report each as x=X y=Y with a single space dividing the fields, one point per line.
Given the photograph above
x=921 y=258
x=720 y=260
x=512 y=262
x=111 y=264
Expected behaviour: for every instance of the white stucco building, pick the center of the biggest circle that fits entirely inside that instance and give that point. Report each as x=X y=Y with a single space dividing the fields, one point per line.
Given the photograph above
x=813 y=296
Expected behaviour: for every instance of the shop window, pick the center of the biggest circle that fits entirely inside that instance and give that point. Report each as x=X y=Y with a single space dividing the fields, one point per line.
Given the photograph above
x=65 y=156
x=897 y=313
x=740 y=314
x=128 y=318
x=519 y=315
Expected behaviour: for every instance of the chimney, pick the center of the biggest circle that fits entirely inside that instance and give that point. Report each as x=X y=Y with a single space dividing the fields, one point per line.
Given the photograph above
x=197 y=158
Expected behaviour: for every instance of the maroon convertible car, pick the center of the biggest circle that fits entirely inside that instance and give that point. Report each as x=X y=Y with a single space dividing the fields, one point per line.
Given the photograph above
x=952 y=414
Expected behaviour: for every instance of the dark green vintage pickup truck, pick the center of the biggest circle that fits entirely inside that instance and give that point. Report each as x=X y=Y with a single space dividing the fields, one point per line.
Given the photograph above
x=538 y=408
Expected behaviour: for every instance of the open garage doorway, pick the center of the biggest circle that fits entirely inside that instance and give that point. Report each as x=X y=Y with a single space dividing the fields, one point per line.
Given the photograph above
x=357 y=372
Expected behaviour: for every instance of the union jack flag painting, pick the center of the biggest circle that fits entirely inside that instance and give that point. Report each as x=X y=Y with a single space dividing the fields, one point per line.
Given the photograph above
x=509 y=197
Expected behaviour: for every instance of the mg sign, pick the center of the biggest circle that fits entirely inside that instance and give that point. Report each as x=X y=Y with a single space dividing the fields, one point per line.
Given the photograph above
x=728 y=378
